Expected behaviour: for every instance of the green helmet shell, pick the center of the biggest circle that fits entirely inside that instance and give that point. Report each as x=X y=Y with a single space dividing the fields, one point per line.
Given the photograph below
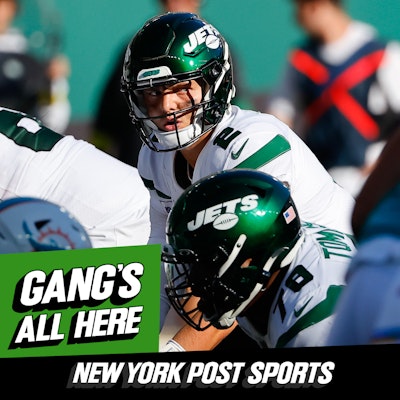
x=216 y=210
x=181 y=42
x=171 y=48
x=218 y=224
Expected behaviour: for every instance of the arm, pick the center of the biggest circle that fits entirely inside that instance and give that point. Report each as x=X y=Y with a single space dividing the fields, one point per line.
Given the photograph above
x=188 y=339
x=383 y=177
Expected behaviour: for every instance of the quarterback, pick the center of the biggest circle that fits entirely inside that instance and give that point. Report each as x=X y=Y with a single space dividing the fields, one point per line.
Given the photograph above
x=178 y=81
x=107 y=196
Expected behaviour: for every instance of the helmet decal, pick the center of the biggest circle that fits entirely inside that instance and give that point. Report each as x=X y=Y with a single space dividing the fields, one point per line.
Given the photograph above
x=203 y=217
x=205 y=35
x=47 y=239
x=29 y=224
x=225 y=221
x=158 y=72
x=289 y=215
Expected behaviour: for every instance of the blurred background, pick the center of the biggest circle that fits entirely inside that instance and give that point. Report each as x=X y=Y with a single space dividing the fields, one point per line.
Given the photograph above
x=91 y=34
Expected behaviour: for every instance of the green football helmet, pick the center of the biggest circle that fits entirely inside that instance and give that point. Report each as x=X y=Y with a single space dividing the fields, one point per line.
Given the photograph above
x=214 y=228
x=172 y=48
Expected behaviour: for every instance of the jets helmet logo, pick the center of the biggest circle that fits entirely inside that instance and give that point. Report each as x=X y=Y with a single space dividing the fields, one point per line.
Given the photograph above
x=223 y=215
x=206 y=34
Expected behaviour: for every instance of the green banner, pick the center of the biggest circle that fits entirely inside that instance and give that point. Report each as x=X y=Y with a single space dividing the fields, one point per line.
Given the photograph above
x=80 y=302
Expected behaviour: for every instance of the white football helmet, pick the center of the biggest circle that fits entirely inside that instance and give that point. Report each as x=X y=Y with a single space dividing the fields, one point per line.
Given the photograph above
x=30 y=224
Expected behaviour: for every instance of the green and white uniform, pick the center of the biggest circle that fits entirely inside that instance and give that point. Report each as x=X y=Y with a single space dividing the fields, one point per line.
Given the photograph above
x=247 y=139
x=106 y=196
x=301 y=312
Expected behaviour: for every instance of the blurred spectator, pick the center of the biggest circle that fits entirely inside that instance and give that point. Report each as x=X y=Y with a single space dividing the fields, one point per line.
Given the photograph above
x=35 y=85
x=192 y=6
x=24 y=84
x=368 y=310
x=340 y=90
x=57 y=113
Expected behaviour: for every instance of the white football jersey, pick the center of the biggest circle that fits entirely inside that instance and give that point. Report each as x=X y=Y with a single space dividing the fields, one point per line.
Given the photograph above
x=301 y=312
x=246 y=139
x=107 y=196
x=249 y=139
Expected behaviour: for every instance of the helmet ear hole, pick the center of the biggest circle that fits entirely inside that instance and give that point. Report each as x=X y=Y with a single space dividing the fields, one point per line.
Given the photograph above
x=215 y=71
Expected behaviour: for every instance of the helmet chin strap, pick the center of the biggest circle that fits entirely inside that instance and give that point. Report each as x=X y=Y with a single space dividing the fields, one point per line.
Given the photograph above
x=179 y=138
x=228 y=318
x=232 y=257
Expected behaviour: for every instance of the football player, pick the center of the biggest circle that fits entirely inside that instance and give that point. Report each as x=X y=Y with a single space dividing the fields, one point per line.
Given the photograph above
x=236 y=250
x=178 y=81
x=30 y=224
x=107 y=196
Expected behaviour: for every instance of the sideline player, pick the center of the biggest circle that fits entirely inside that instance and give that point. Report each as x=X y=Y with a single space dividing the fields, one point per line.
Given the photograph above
x=237 y=250
x=107 y=196
x=178 y=81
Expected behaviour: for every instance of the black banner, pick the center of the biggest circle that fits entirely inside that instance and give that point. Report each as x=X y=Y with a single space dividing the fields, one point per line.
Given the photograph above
x=327 y=370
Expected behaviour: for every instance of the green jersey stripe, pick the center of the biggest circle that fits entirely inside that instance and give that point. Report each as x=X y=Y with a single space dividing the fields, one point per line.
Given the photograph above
x=273 y=149
x=322 y=310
